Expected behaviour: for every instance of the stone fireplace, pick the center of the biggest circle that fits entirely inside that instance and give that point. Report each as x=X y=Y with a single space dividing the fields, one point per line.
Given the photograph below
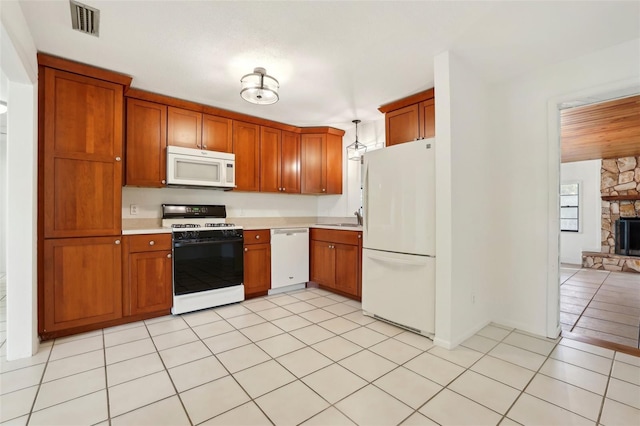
x=620 y=192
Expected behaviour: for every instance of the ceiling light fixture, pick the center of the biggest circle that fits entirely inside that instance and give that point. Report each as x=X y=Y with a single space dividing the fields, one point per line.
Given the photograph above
x=356 y=149
x=259 y=88
x=3 y=107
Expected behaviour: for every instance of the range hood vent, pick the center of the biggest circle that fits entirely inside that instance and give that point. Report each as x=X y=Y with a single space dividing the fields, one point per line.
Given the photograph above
x=84 y=18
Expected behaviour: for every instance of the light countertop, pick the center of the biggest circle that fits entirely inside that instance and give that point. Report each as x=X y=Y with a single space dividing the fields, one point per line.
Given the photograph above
x=153 y=225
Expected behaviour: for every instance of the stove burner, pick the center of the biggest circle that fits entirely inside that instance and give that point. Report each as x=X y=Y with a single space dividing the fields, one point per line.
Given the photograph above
x=219 y=225
x=185 y=225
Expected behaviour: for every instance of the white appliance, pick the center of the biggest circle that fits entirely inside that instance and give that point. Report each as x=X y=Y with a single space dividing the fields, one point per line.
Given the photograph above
x=200 y=168
x=289 y=259
x=398 y=257
x=207 y=257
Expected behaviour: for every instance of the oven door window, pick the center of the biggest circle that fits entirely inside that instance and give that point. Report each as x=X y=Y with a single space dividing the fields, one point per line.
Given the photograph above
x=203 y=266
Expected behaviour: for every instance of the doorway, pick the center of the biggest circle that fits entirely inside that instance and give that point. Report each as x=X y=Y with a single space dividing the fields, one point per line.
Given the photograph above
x=599 y=299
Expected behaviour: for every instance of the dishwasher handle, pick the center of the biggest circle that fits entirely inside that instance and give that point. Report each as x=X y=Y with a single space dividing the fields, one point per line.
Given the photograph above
x=289 y=231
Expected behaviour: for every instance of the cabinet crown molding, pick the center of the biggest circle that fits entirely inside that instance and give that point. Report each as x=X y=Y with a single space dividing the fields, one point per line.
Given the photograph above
x=50 y=61
x=409 y=100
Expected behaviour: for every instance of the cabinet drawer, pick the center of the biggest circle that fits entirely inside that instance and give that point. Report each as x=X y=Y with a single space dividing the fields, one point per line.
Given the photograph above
x=258 y=236
x=149 y=242
x=335 y=236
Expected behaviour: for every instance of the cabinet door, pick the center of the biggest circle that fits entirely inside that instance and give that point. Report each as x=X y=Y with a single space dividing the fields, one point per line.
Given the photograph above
x=346 y=258
x=184 y=128
x=217 y=133
x=82 y=282
x=150 y=282
x=334 y=164
x=270 y=164
x=312 y=164
x=257 y=268
x=427 y=118
x=146 y=161
x=322 y=263
x=401 y=125
x=246 y=146
x=82 y=142
x=290 y=163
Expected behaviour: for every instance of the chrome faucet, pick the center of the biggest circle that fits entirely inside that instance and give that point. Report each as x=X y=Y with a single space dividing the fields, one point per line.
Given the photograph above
x=359 y=216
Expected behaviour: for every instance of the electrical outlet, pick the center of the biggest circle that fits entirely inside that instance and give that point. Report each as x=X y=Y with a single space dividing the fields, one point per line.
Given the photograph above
x=133 y=209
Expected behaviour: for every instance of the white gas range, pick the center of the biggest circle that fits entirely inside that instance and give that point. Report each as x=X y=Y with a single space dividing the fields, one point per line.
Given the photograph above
x=207 y=257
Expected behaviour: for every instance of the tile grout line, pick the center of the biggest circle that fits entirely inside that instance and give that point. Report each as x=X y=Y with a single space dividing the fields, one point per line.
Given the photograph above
x=166 y=370
x=606 y=388
x=587 y=305
x=524 y=388
x=44 y=370
x=106 y=378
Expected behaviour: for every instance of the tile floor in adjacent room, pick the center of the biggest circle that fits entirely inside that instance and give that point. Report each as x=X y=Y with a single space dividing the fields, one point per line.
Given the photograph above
x=312 y=358
x=601 y=304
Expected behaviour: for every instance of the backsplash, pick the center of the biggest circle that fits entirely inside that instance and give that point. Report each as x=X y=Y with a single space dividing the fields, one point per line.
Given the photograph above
x=619 y=177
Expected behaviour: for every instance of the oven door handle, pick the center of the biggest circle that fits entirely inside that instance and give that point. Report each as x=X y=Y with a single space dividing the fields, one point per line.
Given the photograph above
x=178 y=244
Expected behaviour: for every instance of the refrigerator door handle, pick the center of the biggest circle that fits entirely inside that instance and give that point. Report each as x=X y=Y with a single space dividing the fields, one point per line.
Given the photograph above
x=365 y=196
x=387 y=259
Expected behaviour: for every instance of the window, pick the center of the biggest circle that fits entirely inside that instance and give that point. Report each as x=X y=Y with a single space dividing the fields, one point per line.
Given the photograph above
x=569 y=207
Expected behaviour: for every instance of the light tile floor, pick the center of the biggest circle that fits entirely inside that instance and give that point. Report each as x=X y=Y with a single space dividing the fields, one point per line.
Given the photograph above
x=310 y=357
x=601 y=304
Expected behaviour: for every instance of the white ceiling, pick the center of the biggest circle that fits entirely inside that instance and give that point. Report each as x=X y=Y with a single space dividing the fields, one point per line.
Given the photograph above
x=336 y=61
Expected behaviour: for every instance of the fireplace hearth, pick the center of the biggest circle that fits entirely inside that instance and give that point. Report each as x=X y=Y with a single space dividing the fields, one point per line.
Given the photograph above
x=628 y=236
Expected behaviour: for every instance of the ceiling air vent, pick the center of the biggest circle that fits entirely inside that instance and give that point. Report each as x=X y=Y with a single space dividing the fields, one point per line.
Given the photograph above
x=84 y=18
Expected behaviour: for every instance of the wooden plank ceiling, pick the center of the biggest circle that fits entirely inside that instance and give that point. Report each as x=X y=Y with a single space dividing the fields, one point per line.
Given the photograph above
x=604 y=130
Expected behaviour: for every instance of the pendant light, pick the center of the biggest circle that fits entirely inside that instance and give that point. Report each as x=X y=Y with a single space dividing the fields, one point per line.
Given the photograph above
x=356 y=149
x=259 y=88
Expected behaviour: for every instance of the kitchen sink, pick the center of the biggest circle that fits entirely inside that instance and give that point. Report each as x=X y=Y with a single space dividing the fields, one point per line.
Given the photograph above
x=353 y=225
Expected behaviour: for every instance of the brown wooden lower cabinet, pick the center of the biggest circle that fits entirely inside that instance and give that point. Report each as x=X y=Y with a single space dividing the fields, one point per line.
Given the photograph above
x=336 y=260
x=147 y=276
x=82 y=282
x=257 y=262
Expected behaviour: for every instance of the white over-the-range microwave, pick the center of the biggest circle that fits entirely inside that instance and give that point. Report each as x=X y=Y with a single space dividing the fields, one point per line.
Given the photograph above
x=200 y=168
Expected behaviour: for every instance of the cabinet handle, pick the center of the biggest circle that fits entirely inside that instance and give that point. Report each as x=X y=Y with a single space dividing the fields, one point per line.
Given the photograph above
x=204 y=146
x=284 y=189
x=163 y=181
x=117 y=242
x=323 y=190
x=279 y=189
x=257 y=237
x=117 y=158
x=169 y=256
x=359 y=235
x=151 y=243
x=246 y=249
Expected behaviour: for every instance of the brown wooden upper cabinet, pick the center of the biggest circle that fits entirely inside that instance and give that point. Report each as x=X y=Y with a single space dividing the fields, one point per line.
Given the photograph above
x=279 y=161
x=246 y=147
x=82 y=141
x=410 y=119
x=321 y=163
x=191 y=129
x=146 y=160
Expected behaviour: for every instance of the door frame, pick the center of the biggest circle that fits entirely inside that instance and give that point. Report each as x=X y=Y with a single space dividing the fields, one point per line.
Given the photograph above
x=602 y=93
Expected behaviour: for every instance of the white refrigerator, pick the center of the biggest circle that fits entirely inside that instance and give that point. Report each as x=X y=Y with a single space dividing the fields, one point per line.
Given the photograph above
x=398 y=258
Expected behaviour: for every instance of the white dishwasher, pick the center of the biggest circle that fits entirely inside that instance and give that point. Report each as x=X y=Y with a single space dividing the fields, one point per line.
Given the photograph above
x=289 y=259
